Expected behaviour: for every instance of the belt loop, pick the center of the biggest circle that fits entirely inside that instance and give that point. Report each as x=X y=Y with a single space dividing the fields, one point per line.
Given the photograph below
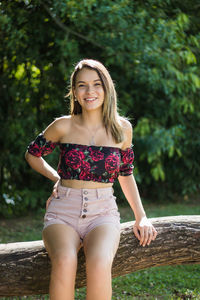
x=68 y=191
x=98 y=193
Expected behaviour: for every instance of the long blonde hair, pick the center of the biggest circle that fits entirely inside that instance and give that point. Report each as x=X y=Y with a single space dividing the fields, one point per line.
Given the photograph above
x=111 y=118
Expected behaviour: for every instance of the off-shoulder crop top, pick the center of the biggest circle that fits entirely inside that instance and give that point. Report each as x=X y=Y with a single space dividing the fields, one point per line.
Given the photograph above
x=83 y=162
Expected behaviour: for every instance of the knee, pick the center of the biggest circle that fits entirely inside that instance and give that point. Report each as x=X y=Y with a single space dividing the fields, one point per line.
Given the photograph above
x=64 y=260
x=99 y=263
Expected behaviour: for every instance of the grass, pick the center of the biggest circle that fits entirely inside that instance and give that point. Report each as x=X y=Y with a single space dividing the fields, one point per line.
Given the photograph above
x=177 y=282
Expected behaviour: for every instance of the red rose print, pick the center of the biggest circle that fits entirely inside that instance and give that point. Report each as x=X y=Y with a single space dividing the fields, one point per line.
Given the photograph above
x=66 y=174
x=111 y=180
x=41 y=146
x=127 y=156
x=62 y=152
x=96 y=155
x=85 y=166
x=34 y=149
x=47 y=149
x=85 y=173
x=85 y=176
x=112 y=163
x=74 y=158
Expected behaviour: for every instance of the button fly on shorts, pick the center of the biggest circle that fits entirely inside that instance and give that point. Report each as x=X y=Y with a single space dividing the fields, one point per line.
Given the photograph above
x=84 y=204
x=83 y=209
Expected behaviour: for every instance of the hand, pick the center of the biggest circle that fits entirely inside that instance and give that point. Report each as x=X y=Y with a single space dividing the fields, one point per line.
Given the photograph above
x=54 y=193
x=144 y=231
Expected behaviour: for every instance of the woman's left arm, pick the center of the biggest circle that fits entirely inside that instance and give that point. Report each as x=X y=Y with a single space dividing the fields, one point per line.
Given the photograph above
x=142 y=228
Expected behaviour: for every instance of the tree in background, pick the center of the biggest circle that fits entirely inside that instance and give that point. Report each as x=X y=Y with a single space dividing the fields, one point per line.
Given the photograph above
x=151 y=49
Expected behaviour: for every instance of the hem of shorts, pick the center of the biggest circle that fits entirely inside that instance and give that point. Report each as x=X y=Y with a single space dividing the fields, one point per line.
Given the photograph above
x=59 y=223
x=103 y=223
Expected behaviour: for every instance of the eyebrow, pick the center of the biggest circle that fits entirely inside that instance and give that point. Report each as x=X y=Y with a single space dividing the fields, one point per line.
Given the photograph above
x=80 y=81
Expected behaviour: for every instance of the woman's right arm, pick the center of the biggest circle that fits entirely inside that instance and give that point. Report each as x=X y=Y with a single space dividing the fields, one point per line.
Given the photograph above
x=42 y=167
x=53 y=133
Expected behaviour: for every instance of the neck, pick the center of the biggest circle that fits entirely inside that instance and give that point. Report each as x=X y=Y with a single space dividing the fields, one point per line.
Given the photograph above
x=91 y=120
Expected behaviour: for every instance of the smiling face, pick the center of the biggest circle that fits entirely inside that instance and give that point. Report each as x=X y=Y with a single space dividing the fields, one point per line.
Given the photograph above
x=89 y=90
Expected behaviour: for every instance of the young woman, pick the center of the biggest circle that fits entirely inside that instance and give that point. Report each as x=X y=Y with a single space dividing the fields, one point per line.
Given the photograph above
x=95 y=149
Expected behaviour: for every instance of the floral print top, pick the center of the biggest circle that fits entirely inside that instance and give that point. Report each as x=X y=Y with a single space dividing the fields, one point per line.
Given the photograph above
x=83 y=162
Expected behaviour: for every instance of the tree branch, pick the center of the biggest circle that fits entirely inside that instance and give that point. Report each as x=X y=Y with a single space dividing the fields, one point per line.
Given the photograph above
x=25 y=267
x=59 y=23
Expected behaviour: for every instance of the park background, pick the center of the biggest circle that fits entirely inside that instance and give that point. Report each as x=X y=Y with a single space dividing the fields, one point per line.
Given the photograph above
x=152 y=49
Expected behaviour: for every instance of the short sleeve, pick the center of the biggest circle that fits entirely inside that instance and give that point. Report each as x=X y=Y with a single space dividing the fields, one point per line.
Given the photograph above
x=127 y=157
x=40 y=146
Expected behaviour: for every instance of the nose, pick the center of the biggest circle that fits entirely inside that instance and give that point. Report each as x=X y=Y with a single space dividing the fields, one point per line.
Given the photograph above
x=90 y=89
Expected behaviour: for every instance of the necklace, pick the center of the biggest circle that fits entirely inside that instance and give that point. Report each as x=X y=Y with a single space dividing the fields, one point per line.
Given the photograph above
x=92 y=138
x=92 y=141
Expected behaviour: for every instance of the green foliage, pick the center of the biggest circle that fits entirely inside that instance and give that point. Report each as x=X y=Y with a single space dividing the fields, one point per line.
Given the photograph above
x=180 y=282
x=151 y=49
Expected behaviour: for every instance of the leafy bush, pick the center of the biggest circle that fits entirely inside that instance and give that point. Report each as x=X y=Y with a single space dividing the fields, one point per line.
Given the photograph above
x=152 y=51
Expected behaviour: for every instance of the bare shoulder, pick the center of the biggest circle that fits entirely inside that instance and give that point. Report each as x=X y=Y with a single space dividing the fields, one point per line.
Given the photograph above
x=128 y=132
x=62 y=122
x=58 y=128
x=126 y=124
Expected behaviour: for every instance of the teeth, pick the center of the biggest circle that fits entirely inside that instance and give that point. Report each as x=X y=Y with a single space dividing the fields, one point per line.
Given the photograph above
x=90 y=99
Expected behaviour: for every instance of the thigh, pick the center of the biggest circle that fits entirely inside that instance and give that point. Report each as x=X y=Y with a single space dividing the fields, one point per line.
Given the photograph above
x=102 y=241
x=60 y=238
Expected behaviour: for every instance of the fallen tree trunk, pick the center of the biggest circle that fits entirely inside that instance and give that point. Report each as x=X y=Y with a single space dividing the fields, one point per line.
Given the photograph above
x=25 y=267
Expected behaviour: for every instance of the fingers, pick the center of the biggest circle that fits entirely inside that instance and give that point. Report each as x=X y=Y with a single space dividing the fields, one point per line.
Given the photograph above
x=54 y=193
x=136 y=232
x=55 y=189
x=144 y=237
x=154 y=234
x=145 y=234
x=48 y=201
x=150 y=236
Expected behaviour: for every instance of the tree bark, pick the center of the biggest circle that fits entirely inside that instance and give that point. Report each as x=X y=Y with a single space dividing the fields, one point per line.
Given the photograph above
x=25 y=267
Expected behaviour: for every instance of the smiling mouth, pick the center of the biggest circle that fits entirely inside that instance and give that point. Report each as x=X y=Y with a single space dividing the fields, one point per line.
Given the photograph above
x=90 y=99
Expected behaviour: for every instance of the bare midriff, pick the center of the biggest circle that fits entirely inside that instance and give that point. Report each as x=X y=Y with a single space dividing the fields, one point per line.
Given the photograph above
x=81 y=184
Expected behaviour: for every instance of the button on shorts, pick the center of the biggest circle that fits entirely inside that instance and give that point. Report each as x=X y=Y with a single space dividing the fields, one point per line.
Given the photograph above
x=83 y=209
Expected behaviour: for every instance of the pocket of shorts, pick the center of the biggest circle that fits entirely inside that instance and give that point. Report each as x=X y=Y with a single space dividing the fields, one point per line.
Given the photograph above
x=51 y=205
x=61 y=197
x=48 y=217
x=111 y=207
x=112 y=202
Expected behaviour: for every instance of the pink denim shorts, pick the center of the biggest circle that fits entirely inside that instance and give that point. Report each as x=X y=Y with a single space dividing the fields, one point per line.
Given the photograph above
x=83 y=209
